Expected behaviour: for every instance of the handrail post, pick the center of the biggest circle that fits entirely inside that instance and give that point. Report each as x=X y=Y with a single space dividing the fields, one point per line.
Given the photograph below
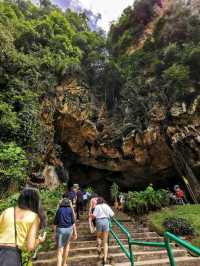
x=110 y=228
x=130 y=251
x=169 y=251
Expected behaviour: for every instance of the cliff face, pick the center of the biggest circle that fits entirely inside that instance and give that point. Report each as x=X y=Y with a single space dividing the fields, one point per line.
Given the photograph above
x=138 y=156
x=152 y=131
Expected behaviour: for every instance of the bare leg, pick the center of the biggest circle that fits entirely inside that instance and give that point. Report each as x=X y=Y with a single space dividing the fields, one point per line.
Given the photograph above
x=105 y=245
x=65 y=254
x=59 y=256
x=99 y=236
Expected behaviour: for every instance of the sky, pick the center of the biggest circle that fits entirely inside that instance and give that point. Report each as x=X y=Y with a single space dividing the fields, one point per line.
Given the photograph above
x=109 y=9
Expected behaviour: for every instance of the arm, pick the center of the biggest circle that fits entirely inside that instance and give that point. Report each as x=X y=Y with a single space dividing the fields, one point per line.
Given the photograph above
x=73 y=212
x=90 y=208
x=94 y=214
x=74 y=232
x=74 y=237
x=32 y=240
x=54 y=226
x=110 y=211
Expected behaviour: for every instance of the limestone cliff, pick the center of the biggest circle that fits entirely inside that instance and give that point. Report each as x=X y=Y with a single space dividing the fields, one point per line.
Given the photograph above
x=139 y=156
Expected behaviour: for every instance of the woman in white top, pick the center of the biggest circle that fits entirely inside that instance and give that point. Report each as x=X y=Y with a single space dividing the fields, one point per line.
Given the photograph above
x=102 y=214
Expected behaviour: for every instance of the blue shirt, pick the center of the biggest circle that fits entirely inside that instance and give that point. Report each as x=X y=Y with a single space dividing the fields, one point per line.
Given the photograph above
x=71 y=195
x=64 y=217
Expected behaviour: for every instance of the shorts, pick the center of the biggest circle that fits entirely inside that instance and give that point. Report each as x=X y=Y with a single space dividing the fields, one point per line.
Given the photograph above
x=63 y=236
x=102 y=225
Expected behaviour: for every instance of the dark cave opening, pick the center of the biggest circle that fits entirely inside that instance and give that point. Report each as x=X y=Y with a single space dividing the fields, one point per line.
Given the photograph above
x=102 y=180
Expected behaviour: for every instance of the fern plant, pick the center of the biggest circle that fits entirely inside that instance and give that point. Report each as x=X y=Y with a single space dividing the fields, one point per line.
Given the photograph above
x=114 y=192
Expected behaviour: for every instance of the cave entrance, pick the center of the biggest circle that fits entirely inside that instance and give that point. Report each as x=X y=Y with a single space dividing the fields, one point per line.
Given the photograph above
x=87 y=176
x=102 y=180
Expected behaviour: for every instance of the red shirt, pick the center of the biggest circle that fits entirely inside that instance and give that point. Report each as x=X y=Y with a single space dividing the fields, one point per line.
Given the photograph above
x=180 y=194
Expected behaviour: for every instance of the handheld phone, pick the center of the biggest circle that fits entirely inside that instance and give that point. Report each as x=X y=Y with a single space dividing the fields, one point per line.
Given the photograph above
x=42 y=235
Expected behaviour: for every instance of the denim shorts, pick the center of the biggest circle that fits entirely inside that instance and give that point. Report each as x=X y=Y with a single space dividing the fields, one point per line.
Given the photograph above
x=102 y=225
x=63 y=236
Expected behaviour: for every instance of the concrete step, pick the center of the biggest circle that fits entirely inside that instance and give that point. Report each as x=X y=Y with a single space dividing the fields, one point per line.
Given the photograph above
x=117 y=230
x=180 y=261
x=93 y=250
x=137 y=236
x=92 y=259
x=121 y=235
x=92 y=243
x=147 y=255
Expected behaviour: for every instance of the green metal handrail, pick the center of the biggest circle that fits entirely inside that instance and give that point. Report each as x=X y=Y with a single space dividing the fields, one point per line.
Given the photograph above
x=166 y=244
x=128 y=252
x=168 y=236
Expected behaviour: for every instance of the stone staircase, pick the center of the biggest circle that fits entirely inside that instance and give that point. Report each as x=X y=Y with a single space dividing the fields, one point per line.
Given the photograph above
x=83 y=251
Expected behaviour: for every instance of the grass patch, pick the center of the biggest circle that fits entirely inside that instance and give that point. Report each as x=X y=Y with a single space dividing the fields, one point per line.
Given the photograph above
x=191 y=213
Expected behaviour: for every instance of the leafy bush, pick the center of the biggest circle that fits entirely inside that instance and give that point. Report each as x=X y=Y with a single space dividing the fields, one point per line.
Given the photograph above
x=9 y=202
x=177 y=74
x=144 y=201
x=90 y=190
x=114 y=190
x=178 y=226
x=8 y=120
x=13 y=164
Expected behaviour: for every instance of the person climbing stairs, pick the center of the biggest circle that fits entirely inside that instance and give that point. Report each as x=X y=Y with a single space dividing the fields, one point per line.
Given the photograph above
x=83 y=251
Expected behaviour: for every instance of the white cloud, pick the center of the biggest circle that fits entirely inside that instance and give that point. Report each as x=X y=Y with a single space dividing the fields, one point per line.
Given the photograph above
x=109 y=9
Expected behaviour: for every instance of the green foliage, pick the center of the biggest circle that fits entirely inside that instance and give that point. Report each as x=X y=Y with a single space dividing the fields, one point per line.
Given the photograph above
x=50 y=200
x=177 y=74
x=178 y=226
x=90 y=190
x=40 y=46
x=144 y=201
x=130 y=26
x=188 y=212
x=114 y=190
x=162 y=71
x=8 y=120
x=13 y=164
x=9 y=202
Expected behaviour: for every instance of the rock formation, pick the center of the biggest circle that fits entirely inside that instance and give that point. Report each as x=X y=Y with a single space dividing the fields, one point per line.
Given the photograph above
x=103 y=144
